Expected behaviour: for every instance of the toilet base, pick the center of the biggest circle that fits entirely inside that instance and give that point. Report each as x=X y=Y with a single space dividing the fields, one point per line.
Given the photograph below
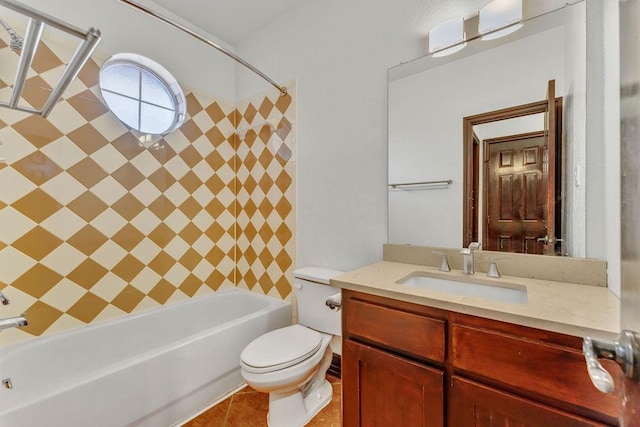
x=294 y=409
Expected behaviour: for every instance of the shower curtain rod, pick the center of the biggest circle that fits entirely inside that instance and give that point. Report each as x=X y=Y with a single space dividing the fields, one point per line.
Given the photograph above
x=282 y=89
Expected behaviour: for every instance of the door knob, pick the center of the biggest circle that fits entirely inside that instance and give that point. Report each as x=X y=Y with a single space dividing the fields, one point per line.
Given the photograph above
x=625 y=351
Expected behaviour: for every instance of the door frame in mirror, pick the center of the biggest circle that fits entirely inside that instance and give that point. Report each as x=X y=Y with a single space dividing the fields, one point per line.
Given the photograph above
x=469 y=217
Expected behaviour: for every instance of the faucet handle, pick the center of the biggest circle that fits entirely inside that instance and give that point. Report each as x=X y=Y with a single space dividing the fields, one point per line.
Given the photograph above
x=475 y=245
x=4 y=300
x=493 y=268
x=444 y=265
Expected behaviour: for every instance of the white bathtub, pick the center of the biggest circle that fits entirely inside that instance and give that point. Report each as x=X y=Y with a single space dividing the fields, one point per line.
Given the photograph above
x=152 y=368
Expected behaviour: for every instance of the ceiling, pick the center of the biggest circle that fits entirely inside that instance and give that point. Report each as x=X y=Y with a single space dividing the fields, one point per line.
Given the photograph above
x=231 y=21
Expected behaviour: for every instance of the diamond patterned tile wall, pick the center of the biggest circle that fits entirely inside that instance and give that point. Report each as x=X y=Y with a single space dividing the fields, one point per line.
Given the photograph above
x=265 y=193
x=93 y=225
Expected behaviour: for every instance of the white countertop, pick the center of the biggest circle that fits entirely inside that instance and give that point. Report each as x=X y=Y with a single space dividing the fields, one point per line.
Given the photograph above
x=567 y=308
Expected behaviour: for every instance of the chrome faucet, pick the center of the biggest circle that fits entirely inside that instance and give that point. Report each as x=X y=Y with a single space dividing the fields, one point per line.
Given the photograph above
x=467 y=257
x=13 y=322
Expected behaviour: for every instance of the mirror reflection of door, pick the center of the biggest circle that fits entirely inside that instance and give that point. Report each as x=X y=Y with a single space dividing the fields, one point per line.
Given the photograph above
x=516 y=206
x=515 y=197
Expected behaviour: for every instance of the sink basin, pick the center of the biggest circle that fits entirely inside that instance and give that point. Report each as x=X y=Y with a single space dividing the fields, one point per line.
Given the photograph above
x=470 y=287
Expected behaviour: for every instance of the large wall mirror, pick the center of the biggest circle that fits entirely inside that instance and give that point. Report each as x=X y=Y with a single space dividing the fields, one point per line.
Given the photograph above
x=504 y=142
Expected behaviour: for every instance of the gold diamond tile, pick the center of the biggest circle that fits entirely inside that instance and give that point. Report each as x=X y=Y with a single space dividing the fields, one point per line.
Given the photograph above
x=162 y=207
x=283 y=208
x=87 y=206
x=265 y=134
x=250 y=208
x=215 y=208
x=235 y=118
x=283 y=234
x=37 y=131
x=128 y=237
x=265 y=159
x=40 y=316
x=128 y=145
x=215 y=256
x=215 y=136
x=215 y=280
x=265 y=208
x=45 y=59
x=128 y=207
x=191 y=156
x=162 y=291
x=265 y=257
x=90 y=73
x=128 y=299
x=163 y=152
x=191 y=130
x=128 y=268
x=250 y=231
x=190 y=181
x=37 y=205
x=250 y=113
x=283 y=260
x=215 y=184
x=193 y=106
x=265 y=108
x=162 y=263
x=87 y=307
x=265 y=232
x=37 y=167
x=36 y=92
x=3 y=44
x=190 y=208
x=190 y=285
x=162 y=180
x=162 y=235
x=215 y=232
x=266 y=283
x=87 y=274
x=250 y=161
x=128 y=176
x=265 y=183
x=37 y=281
x=37 y=243
x=283 y=103
x=190 y=259
x=88 y=105
x=190 y=233
x=215 y=160
x=283 y=286
x=88 y=139
x=87 y=240
x=283 y=181
x=250 y=279
x=215 y=112
x=87 y=172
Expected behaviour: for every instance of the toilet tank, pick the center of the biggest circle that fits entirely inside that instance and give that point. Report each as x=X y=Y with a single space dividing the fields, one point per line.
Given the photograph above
x=311 y=287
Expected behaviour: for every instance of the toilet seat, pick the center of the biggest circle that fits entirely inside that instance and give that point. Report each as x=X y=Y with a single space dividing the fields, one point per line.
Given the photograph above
x=280 y=349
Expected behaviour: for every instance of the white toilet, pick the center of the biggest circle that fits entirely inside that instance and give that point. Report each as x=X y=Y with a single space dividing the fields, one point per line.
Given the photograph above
x=291 y=363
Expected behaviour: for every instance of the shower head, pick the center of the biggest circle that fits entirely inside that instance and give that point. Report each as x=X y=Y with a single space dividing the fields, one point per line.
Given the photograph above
x=16 y=40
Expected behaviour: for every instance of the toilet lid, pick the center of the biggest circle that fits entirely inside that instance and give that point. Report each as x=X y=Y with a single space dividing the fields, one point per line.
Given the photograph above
x=280 y=349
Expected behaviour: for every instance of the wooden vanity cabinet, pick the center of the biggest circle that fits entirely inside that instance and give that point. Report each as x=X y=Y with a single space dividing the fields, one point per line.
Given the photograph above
x=405 y=364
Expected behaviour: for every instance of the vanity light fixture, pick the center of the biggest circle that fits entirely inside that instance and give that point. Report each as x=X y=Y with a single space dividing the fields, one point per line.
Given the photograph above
x=499 y=18
x=447 y=38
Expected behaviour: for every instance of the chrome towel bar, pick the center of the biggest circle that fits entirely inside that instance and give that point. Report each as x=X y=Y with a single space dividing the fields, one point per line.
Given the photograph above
x=422 y=184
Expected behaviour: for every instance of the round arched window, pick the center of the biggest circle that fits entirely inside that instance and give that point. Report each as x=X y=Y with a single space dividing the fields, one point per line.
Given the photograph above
x=142 y=94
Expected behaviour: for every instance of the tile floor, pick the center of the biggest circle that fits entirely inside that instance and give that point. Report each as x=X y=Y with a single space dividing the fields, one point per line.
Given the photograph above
x=248 y=408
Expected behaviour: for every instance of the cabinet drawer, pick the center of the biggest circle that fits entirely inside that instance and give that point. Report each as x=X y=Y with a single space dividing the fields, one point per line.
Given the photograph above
x=534 y=368
x=404 y=331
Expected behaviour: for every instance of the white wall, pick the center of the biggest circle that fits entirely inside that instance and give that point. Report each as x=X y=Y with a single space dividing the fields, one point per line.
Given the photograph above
x=125 y=29
x=339 y=52
x=425 y=127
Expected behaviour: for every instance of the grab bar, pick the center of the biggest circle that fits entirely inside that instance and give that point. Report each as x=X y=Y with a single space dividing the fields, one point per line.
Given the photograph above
x=420 y=184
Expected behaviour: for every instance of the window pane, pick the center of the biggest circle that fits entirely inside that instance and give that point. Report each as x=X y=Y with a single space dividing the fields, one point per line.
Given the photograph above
x=155 y=92
x=155 y=120
x=124 y=108
x=121 y=78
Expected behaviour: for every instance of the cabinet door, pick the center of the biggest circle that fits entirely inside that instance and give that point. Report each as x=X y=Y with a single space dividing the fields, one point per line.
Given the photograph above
x=381 y=389
x=473 y=404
